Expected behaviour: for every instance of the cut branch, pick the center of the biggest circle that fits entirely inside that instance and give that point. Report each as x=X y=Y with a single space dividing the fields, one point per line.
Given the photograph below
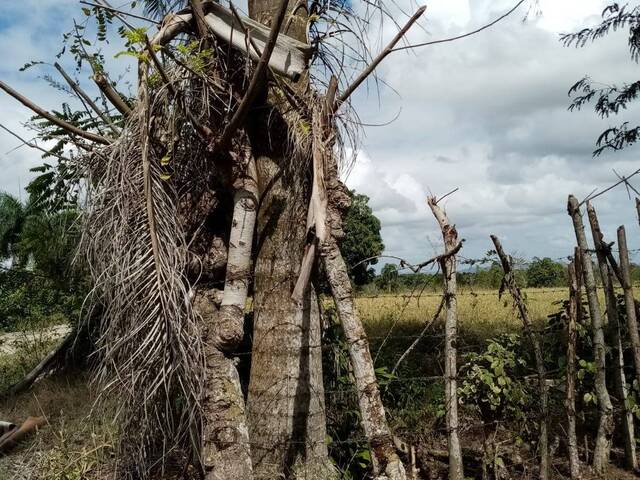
x=114 y=97
x=72 y=129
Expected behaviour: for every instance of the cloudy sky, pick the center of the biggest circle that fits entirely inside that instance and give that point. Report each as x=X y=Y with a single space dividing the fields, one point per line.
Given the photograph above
x=487 y=115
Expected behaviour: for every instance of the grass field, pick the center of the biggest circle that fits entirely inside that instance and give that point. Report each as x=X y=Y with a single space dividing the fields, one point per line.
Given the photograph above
x=481 y=313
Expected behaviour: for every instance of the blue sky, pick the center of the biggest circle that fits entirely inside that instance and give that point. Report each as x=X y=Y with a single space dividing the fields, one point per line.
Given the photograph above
x=487 y=114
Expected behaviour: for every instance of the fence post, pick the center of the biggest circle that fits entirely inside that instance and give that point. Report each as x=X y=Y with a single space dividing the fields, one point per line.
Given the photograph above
x=509 y=283
x=613 y=331
x=448 y=264
x=606 y=426
x=574 y=314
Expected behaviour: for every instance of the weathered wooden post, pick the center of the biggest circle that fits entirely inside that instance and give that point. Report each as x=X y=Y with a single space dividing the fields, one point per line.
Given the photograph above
x=613 y=330
x=509 y=283
x=606 y=425
x=448 y=264
x=574 y=313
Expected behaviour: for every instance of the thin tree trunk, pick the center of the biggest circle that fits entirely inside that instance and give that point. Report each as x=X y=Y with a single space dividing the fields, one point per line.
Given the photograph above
x=606 y=426
x=510 y=283
x=373 y=418
x=575 y=308
x=229 y=326
x=448 y=264
x=629 y=302
x=613 y=330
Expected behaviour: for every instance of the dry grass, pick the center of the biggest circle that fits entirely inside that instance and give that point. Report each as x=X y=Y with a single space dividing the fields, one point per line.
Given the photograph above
x=481 y=314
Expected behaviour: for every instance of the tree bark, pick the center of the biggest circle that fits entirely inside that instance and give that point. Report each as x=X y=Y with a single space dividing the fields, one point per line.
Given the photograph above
x=373 y=418
x=605 y=428
x=510 y=283
x=613 y=330
x=226 y=451
x=575 y=309
x=285 y=403
x=629 y=302
x=448 y=264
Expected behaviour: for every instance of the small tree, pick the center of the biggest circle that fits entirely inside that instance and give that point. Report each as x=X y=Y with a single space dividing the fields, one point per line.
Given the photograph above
x=388 y=279
x=544 y=272
x=362 y=240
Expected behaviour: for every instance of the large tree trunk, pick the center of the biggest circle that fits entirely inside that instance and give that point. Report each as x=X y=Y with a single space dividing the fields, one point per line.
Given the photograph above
x=605 y=428
x=613 y=331
x=285 y=404
x=448 y=264
x=509 y=283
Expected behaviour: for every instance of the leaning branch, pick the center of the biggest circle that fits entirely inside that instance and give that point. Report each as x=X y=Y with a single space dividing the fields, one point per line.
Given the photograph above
x=83 y=95
x=384 y=54
x=72 y=129
x=34 y=145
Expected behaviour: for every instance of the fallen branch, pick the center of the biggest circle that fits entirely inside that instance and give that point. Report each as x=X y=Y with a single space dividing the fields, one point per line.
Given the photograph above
x=114 y=97
x=11 y=439
x=72 y=129
x=43 y=367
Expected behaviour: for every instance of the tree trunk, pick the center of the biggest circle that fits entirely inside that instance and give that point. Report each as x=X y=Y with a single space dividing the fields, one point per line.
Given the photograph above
x=575 y=309
x=448 y=264
x=286 y=396
x=605 y=428
x=613 y=330
x=226 y=449
x=374 y=422
x=510 y=283
x=629 y=302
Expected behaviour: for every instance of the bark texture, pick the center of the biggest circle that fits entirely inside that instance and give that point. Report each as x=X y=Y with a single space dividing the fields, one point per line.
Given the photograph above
x=226 y=449
x=286 y=396
x=613 y=332
x=448 y=265
x=605 y=427
x=575 y=309
x=510 y=284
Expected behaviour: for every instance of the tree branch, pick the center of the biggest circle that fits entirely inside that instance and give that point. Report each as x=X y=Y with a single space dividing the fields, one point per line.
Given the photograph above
x=72 y=129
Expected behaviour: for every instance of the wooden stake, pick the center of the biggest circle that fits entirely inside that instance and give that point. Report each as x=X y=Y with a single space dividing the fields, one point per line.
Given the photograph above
x=575 y=309
x=448 y=265
x=606 y=426
x=613 y=331
x=629 y=302
x=509 y=282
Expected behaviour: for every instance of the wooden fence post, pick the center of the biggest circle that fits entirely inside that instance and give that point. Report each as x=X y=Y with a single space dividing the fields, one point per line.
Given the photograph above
x=574 y=314
x=606 y=426
x=448 y=264
x=613 y=330
x=509 y=283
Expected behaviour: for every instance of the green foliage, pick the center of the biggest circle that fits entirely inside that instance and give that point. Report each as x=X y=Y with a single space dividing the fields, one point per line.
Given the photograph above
x=493 y=381
x=544 y=272
x=388 y=278
x=362 y=239
x=13 y=215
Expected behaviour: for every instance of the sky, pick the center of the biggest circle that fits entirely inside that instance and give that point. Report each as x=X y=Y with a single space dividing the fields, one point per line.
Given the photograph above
x=487 y=115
